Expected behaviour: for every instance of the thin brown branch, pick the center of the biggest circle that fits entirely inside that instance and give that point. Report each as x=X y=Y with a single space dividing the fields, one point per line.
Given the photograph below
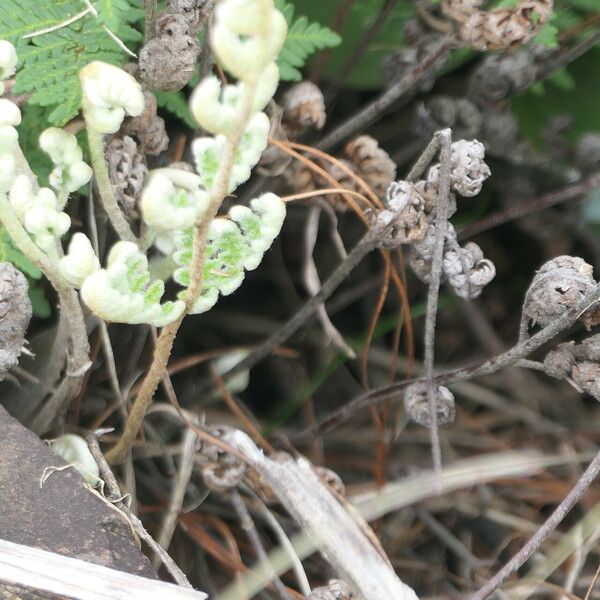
x=116 y=497
x=248 y=526
x=527 y=207
x=394 y=392
x=543 y=532
x=375 y=109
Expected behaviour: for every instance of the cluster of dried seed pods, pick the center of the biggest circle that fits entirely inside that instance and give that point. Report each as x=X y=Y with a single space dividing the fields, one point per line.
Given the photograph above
x=499 y=28
x=409 y=219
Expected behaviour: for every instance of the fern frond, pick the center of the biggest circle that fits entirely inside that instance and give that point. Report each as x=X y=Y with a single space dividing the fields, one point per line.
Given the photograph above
x=177 y=104
x=303 y=39
x=50 y=63
x=118 y=15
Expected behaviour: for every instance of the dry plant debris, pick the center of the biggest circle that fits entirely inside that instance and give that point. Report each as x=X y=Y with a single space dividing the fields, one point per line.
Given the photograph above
x=182 y=192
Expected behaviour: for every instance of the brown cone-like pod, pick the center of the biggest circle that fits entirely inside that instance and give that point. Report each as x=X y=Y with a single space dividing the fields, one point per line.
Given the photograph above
x=167 y=61
x=127 y=169
x=303 y=107
x=560 y=284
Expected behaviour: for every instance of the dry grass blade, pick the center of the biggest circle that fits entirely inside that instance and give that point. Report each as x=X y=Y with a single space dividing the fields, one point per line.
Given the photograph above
x=405 y=492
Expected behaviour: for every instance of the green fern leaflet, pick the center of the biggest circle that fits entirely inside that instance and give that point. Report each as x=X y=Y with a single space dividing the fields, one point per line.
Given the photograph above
x=303 y=39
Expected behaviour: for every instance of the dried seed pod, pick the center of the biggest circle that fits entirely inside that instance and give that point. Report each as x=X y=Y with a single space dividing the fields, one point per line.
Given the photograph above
x=589 y=349
x=420 y=253
x=468 y=170
x=362 y=156
x=372 y=163
x=587 y=376
x=148 y=128
x=501 y=75
x=303 y=107
x=579 y=362
x=499 y=28
x=332 y=479
x=15 y=313
x=479 y=270
x=461 y=10
x=500 y=131
x=429 y=193
x=220 y=470
x=193 y=11
x=420 y=43
x=167 y=61
x=416 y=404
x=127 y=169
x=587 y=152
x=559 y=362
x=404 y=221
x=558 y=285
x=440 y=112
x=336 y=589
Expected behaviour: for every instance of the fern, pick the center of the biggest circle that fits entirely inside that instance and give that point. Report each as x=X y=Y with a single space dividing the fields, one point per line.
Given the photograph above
x=8 y=253
x=303 y=39
x=50 y=62
x=176 y=103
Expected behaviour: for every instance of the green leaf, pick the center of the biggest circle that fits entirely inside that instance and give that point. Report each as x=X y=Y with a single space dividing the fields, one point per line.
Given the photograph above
x=562 y=79
x=117 y=15
x=50 y=62
x=303 y=39
x=586 y=5
x=39 y=303
x=176 y=103
x=366 y=73
x=9 y=253
x=534 y=112
x=547 y=36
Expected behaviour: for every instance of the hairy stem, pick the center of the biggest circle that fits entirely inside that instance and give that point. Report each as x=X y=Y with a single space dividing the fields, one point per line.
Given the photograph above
x=164 y=344
x=162 y=352
x=67 y=295
x=105 y=187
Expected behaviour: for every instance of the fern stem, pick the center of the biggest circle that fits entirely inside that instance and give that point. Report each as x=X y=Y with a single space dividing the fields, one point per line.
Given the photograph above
x=68 y=298
x=25 y=244
x=105 y=187
x=164 y=343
